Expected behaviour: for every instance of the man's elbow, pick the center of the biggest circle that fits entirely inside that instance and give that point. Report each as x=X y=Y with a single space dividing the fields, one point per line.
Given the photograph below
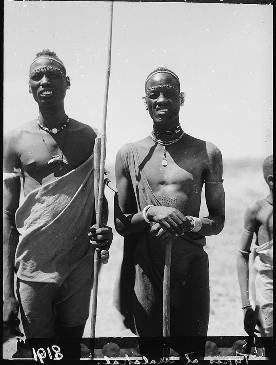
x=219 y=224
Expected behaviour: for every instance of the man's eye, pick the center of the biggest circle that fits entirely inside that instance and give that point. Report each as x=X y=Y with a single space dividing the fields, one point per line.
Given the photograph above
x=153 y=95
x=37 y=76
x=53 y=75
x=169 y=93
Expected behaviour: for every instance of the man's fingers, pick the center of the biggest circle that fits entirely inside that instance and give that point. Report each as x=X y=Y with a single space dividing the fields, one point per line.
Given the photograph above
x=97 y=244
x=155 y=227
x=104 y=256
x=174 y=224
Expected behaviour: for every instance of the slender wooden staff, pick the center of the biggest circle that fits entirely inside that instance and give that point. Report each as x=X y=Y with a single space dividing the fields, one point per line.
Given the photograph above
x=99 y=163
x=167 y=295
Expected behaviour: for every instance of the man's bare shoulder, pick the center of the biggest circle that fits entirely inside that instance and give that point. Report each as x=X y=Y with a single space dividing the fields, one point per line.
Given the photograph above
x=212 y=150
x=16 y=133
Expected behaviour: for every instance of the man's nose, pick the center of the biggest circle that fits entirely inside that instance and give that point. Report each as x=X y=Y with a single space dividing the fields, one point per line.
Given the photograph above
x=44 y=80
x=161 y=98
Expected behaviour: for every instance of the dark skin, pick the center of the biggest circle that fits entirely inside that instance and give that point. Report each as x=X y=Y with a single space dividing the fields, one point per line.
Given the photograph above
x=29 y=149
x=191 y=162
x=258 y=221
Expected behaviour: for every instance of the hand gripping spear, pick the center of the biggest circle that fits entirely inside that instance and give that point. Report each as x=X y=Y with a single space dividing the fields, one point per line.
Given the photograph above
x=99 y=181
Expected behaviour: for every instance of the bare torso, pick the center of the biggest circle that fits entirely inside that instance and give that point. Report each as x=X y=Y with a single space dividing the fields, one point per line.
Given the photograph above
x=33 y=148
x=182 y=179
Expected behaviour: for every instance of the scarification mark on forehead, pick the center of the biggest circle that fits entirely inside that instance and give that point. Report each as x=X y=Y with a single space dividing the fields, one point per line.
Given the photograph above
x=54 y=62
x=161 y=86
x=40 y=69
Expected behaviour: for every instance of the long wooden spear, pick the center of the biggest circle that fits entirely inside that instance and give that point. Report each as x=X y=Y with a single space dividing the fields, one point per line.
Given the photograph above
x=167 y=295
x=99 y=163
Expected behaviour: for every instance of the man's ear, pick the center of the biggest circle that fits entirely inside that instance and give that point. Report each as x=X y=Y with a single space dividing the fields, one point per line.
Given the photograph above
x=30 y=90
x=68 y=82
x=270 y=180
x=182 y=98
x=144 y=98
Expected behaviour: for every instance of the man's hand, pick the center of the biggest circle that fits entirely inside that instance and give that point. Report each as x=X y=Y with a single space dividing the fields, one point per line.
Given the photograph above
x=101 y=238
x=160 y=232
x=250 y=320
x=170 y=219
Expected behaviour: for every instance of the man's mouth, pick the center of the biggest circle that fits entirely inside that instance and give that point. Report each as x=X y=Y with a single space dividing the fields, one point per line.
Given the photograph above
x=46 y=93
x=162 y=110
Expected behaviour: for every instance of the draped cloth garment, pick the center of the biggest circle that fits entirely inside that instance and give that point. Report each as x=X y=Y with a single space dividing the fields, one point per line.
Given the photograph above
x=53 y=222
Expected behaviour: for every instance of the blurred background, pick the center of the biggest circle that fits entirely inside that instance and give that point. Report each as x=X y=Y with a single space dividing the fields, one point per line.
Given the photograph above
x=223 y=56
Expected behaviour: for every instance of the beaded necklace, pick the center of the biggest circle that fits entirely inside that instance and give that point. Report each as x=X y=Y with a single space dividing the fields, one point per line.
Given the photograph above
x=167 y=138
x=59 y=158
x=54 y=130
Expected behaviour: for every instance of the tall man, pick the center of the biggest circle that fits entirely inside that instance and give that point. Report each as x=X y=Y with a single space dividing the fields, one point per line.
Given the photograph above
x=46 y=237
x=159 y=181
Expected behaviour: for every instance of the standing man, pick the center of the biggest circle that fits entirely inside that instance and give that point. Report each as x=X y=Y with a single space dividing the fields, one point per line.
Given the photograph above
x=159 y=181
x=46 y=237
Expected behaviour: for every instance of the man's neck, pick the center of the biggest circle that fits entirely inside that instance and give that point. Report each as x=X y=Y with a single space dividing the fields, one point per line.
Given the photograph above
x=53 y=117
x=169 y=125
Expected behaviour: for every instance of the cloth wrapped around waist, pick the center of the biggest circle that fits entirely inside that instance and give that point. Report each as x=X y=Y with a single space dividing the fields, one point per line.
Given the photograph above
x=53 y=222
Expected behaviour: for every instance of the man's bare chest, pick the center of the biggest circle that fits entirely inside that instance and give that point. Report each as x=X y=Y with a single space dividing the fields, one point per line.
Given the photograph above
x=171 y=168
x=41 y=155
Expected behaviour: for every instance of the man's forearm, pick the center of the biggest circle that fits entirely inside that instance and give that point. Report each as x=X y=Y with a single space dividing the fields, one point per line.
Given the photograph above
x=130 y=223
x=211 y=225
x=10 y=241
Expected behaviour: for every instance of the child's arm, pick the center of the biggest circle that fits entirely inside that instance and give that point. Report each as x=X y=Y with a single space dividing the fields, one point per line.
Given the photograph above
x=250 y=225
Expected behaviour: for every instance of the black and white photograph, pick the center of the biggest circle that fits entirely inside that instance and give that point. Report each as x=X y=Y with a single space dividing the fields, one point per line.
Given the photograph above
x=137 y=181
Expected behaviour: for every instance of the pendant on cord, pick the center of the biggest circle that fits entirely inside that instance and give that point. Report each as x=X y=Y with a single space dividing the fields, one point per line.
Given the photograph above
x=164 y=159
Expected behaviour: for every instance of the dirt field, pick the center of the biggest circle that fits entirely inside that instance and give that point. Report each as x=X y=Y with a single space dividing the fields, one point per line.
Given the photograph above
x=243 y=183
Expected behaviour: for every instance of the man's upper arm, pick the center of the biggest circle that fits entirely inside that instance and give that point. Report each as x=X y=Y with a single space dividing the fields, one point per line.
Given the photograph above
x=126 y=195
x=11 y=175
x=214 y=191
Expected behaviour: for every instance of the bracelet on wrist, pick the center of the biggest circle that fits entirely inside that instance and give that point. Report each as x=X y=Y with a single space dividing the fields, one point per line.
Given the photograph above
x=144 y=212
x=196 y=224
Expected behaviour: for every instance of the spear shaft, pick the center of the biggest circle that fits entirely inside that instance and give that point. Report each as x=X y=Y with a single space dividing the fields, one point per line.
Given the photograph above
x=99 y=163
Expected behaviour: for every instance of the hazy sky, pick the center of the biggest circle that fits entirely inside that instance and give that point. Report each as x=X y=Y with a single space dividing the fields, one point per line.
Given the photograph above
x=222 y=54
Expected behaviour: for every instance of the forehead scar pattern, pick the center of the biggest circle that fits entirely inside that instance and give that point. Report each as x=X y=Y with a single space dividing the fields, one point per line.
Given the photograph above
x=45 y=69
x=161 y=86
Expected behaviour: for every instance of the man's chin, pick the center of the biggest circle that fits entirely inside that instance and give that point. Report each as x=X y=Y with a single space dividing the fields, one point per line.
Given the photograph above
x=159 y=121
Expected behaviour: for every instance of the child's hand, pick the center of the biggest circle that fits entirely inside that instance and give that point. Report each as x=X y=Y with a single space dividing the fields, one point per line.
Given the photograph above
x=250 y=321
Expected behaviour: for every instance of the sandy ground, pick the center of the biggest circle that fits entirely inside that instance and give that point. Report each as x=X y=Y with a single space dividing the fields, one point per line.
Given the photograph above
x=243 y=184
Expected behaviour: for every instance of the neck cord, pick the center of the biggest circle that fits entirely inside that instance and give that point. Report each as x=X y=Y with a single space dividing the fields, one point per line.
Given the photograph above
x=59 y=158
x=167 y=138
